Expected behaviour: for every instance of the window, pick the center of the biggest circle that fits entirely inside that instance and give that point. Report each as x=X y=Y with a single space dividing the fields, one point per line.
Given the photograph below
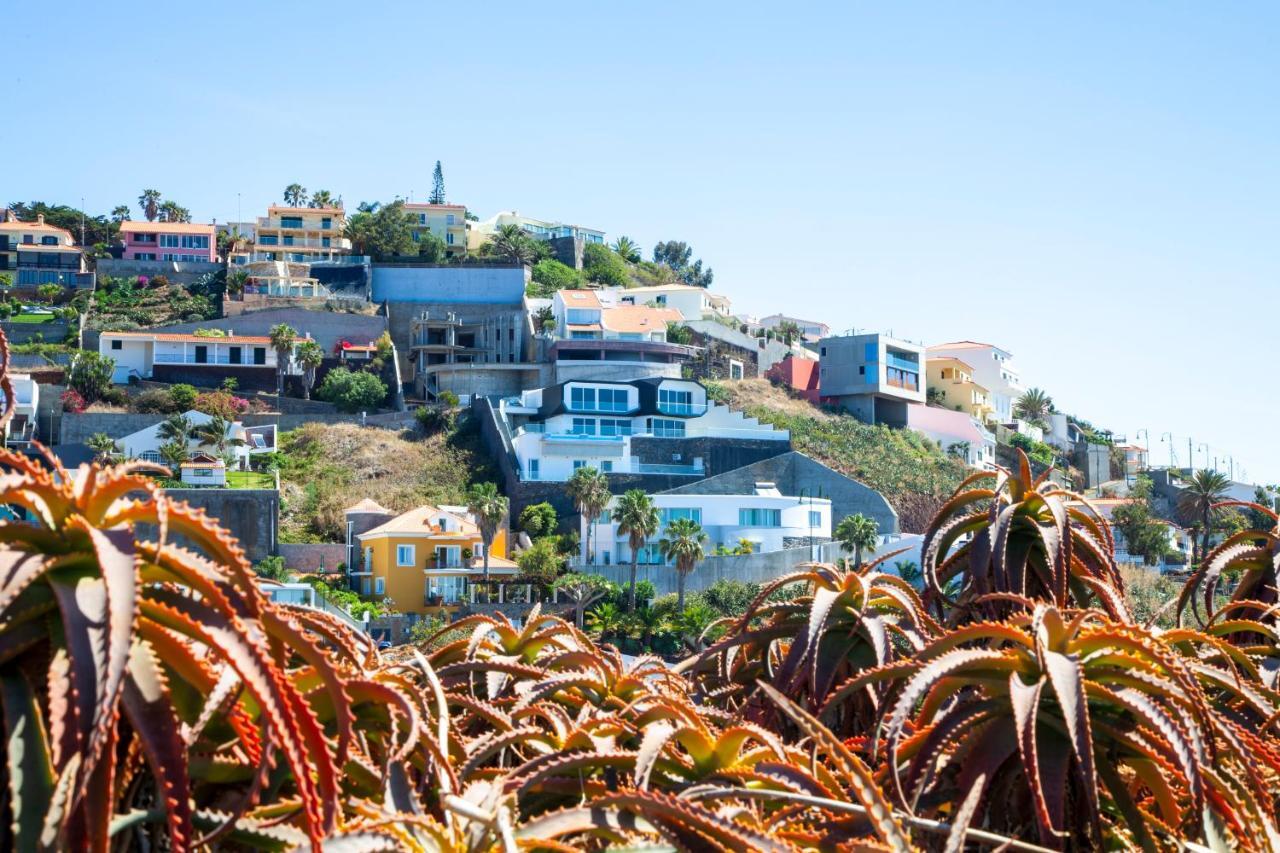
x=404 y=555
x=862 y=370
x=670 y=514
x=259 y=355
x=202 y=354
x=290 y=221
x=170 y=241
x=117 y=344
x=192 y=241
x=675 y=402
x=533 y=469
x=150 y=456
x=606 y=466
x=735 y=369
x=582 y=398
x=815 y=518
x=448 y=238
x=236 y=355
x=450 y=590
x=422 y=219
x=28 y=239
x=326 y=223
x=584 y=426
x=582 y=316
x=48 y=241
x=615 y=426
x=368 y=560
x=449 y=556
x=579 y=463
x=613 y=399
x=448 y=218
x=379 y=586
x=324 y=242
x=759 y=518
x=144 y=256
x=288 y=239
x=664 y=428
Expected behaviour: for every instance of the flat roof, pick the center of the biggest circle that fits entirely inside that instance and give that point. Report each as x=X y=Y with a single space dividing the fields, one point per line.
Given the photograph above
x=167 y=227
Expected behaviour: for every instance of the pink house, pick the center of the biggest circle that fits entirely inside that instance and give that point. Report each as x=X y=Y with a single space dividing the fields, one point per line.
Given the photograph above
x=168 y=241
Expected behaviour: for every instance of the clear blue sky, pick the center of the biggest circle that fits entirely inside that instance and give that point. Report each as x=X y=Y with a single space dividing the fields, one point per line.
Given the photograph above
x=1092 y=186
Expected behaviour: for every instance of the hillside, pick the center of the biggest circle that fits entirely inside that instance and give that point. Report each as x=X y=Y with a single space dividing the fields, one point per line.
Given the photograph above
x=329 y=467
x=908 y=469
x=120 y=304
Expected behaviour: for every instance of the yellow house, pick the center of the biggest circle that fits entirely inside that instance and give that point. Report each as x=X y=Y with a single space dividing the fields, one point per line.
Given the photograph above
x=446 y=221
x=301 y=234
x=953 y=380
x=427 y=557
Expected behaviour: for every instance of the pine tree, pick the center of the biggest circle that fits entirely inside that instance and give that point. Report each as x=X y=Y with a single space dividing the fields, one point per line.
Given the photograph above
x=437 y=185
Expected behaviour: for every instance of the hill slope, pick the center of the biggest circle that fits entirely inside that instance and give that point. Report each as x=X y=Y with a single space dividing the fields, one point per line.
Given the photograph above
x=908 y=469
x=329 y=467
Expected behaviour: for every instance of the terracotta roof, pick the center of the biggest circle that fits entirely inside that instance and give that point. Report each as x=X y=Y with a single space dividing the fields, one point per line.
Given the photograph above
x=583 y=327
x=639 y=318
x=477 y=562
x=950 y=358
x=421 y=520
x=167 y=227
x=367 y=505
x=200 y=339
x=965 y=345
x=580 y=298
x=276 y=209
x=12 y=223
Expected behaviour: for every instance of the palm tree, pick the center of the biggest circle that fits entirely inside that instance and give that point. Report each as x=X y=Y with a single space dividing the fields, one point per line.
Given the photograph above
x=323 y=198
x=745 y=546
x=637 y=519
x=605 y=620
x=310 y=356
x=175 y=428
x=1034 y=406
x=215 y=434
x=589 y=488
x=645 y=622
x=489 y=508
x=510 y=242
x=368 y=206
x=1202 y=492
x=857 y=533
x=283 y=337
x=171 y=211
x=120 y=213
x=174 y=453
x=788 y=330
x=103 y=445
x=295 y=195
x=628 y=249
x=684 y=542
x=909 y=571
x=149 y=201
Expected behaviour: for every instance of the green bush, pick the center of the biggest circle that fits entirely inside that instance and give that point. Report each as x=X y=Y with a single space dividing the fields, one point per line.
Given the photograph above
x=183 y=396
x=538 y=519
x=153 y=401
x=550 y=276
x=352 y=391
x=90 y=375
x=1037 y=450
x=602 y=264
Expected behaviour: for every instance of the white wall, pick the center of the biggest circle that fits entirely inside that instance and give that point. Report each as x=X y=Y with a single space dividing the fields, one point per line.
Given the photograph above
x=993 y=368
x=134 y=356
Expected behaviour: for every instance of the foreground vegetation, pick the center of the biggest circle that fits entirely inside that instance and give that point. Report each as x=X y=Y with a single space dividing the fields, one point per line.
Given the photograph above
x=911 y=471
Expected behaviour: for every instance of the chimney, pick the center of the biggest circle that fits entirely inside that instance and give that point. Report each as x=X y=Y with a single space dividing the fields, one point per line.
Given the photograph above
x=40 y=219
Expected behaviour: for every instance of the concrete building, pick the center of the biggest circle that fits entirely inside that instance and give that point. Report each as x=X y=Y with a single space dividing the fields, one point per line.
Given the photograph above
x=184 y=242
x=798 y=374
x=950 y=381
x=540 y=229
x=36 y=253
x=448 y=222
x=958 y=433
x=761 y=515
x=301 y=234
x=638 y=427
x=469 y=351
x=992 y=368
x=873 y=376
x=693 y=303
x=768 y=352
x=21 y=428
x=198 y=359
x=813 y=330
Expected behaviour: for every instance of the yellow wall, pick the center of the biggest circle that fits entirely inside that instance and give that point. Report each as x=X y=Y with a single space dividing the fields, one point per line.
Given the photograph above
x=407 y=585
x=960 y=392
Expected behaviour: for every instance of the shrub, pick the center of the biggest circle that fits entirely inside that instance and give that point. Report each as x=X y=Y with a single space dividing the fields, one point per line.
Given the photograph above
x=538 y=519
x=550 y=276
x=220 y=403
x=49 y=292
x=90 y=375
x=602 y=264
x=352 y=391
x=183 y=396
x=434 y=419
x=114 y=396
x=72 y=402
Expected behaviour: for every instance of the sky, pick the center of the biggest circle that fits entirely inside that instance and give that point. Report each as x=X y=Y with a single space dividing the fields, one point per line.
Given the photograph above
x=1092 y=186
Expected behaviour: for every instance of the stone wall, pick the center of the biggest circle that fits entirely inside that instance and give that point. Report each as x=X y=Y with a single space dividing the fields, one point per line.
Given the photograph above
x=312 y=556
x=252 y=516
x=185 y=273
x=715 y=359
x=54 y=332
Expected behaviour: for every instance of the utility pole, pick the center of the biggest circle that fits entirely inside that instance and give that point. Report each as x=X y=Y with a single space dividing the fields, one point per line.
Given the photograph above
x=1191 y=457
x=82 y=221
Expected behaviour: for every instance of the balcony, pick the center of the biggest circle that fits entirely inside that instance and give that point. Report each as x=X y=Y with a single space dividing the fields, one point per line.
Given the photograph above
x=336 y=244
x=213 y=360
x=688 y=410
x=599 y=408
x=678 y=470
x=902 y=362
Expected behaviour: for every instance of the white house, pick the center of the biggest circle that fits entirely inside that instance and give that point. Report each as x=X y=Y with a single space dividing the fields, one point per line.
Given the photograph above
x=21 y=428
x=539 y=229
x=768 y=519
x=812 y=330
x=590 y=315
x=140 y=353
x=203 y=469
x=243 y=441
x=993 y=369
x=693 y=303
x=611 y=426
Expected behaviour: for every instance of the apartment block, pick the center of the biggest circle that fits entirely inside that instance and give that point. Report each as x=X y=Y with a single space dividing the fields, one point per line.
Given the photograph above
x=992 y=368
x=950 y=383
x=448 y=222
x=169 y=241
x=872 y=376
x=301 y=234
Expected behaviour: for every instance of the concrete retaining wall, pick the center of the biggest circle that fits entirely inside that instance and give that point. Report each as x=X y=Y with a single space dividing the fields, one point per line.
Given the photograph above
x=77 y=428
x=312 y=556
x=54 y=332
x=252 y=516
x=179 y=272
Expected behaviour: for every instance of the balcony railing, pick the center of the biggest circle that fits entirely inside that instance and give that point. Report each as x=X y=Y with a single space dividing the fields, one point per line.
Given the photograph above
x=597 y=408
x=680 y=470
x=582 y=436
x=189 y=358
x=687 y=409
x=902 y=362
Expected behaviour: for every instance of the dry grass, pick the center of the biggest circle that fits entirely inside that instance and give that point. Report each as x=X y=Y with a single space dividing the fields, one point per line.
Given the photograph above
x=751 y=393
x=329 y=467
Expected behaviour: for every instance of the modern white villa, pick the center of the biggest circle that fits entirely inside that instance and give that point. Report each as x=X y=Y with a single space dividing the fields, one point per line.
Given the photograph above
x=643 y=426
x=242 y=442
x=993 y=369
x=145 y=354
x=768 y=519
x=21 y=428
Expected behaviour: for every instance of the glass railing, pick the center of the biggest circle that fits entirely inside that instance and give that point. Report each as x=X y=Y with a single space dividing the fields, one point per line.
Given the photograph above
x=689 y=409
x=902 y=362
x=683 y=470
x=611 y=408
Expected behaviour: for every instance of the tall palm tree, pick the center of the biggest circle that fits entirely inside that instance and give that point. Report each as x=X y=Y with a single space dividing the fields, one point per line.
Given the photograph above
x=510 y=242
x=788 y=330
x=589 y=488
x=149 y=201
x=171 y=211
x=323 y=198
x=120 y=213
x=684 y=543
x=175 y=428
x=857 y=533
x=216 y=434
x=1202 y=492
x=174 y=453
x=628 y=249
x=489 y=508
x=295 y=195
x=637 y=519
x=310 y=356
x=283 y=337
x=1034 y=406
x=103 y=445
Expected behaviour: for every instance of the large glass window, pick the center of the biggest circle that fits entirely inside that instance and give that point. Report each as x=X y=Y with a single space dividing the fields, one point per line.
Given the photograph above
x=759 y=517
x=582 y=316
x=170 y=241
x=615 y=426
x=665 y=428
x=670 y=514
x=584 y=426
x=613 y=399
x=675 y=402
x=582 y=398
x=450 y=590
x=290 y=221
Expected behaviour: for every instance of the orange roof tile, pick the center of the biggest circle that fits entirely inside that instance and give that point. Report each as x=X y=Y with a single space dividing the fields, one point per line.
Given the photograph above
x=202 y=339
x=166 y=227
x=367 y=505
x=422 y=520
x=37 y=247
x=640 y=318
x=16 y=224
x=580 y=298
